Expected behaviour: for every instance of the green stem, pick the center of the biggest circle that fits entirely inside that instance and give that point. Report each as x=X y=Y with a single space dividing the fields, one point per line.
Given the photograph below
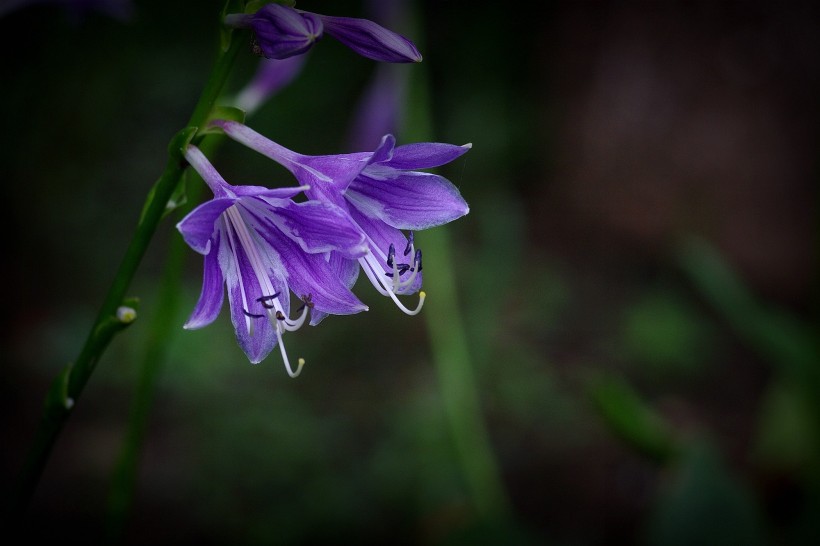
x=448 y=339
x=161 y=330
x=457 y=381
x=68 y=386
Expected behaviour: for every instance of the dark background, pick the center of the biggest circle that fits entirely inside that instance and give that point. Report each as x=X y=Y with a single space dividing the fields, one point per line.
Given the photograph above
x=637 y=276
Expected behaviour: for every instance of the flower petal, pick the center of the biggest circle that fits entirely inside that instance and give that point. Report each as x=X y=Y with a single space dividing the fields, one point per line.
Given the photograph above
x=371 y=40
x=406 y=200
x=425 y=155
x=209 y=174
x=385 y=150
x=283 y=32
x=347 y=271
x=199 y=225
x=254 y=334
x=262 y=191
x=309 y=170
x=379 y=108
x=311 y=275
x=317 y=227
x=271 y=76
x=213 y=291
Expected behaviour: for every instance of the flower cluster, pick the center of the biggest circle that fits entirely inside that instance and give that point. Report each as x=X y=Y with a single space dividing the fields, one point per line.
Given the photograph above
x=353 y=214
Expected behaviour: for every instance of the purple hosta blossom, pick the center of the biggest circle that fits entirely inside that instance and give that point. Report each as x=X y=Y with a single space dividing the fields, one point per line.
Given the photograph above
x=271 y=76
x=262 y=245
x=383 y=193
x=283 y=31
x=379 y=109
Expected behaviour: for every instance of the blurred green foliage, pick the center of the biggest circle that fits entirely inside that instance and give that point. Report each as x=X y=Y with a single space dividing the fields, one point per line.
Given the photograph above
x=634 y=391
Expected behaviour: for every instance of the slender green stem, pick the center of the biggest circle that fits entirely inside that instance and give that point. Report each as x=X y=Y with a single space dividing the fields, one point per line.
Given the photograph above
x=68 y=386
x=448 y=340
x=161 y=330
x=457 y=381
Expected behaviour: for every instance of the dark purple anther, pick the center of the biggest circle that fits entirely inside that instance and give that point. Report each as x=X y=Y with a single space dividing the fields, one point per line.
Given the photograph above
x=391 y=253
x=409 y=243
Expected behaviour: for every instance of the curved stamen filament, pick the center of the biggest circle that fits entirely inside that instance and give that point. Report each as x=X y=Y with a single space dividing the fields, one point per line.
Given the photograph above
x=371 y=266
x=300 y=362
x=292 y=325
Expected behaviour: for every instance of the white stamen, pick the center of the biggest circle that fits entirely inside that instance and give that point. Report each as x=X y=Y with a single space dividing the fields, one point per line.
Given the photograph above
x=372 y=268
x=232 y=238
x=248 y=244
x=300 y=362
x=293 y=325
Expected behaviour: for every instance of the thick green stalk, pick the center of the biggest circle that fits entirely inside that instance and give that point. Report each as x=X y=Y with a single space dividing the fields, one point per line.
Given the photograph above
x=68 y=386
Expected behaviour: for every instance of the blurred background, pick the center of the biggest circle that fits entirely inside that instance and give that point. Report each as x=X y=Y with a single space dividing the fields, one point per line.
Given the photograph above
x=636 y=284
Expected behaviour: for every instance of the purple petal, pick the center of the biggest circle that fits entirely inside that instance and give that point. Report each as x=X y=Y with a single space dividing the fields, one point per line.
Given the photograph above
x=406 y=200
x=379 y=109
x=255 y=141
x=371 y=40
x=321 y=170
x=382 y=237
x=262 y=191
x=384 y=151
x=316 y=226
x=425 y=155
x=282 y=32
x=198 y=226
x=310 y=274
x=254 y=334
x=347 y=271
x=213 y=291
x=271 y=76
x=338 y=170
x=209 y=174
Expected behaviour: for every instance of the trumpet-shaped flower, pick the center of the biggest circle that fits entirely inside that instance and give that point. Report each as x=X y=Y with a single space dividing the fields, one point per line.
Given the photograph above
x=283 y=31
x=262 y=245
x=383 y=193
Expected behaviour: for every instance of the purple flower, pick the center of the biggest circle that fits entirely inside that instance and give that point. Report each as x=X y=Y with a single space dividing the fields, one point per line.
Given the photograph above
x=380 y=107
x=261 y=244
x=383 y=194
x=271 y=76
x=282 y=32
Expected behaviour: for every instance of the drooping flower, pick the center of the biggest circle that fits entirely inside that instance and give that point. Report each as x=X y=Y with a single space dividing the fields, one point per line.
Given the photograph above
x=262 y=245
x=282 y=32
x=383 y=193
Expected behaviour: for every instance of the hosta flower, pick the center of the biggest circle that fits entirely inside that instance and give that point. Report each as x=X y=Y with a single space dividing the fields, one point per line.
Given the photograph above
x=271 y=76
x=283 y=31
x=262 y=245
x=383 y=193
